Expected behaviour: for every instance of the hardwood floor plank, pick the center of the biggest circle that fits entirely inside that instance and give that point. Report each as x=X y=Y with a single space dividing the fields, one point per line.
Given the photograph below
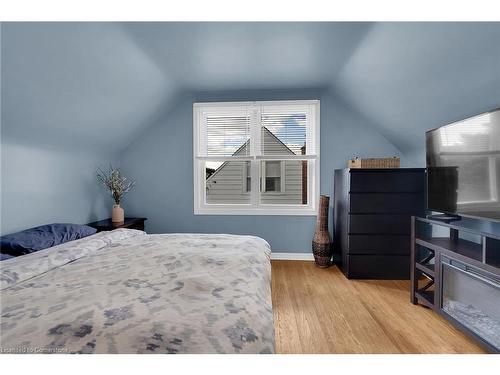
x=284 y=317
x=320 y=311
x=357 y=319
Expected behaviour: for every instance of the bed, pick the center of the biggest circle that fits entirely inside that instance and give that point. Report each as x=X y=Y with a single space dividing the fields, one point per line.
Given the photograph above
x=125 y=291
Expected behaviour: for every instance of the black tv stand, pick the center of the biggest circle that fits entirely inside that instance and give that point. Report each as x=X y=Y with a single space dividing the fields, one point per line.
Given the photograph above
x=455 y=270
x=447 y=218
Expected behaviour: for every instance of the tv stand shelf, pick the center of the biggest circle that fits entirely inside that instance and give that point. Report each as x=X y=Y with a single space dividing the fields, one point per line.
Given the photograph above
x=458 y=246
x=455 y=270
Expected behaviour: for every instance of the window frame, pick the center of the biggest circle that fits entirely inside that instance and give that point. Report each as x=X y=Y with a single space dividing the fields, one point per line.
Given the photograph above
x=200 y=207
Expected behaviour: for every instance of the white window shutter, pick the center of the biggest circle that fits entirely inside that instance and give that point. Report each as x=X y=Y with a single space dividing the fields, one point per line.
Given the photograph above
x=256 y=157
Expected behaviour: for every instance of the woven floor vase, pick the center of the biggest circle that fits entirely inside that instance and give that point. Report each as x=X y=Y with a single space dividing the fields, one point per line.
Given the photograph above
x=321 y=241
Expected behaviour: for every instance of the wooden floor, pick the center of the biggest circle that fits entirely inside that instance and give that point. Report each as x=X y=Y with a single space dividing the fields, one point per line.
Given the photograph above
x=320 y=311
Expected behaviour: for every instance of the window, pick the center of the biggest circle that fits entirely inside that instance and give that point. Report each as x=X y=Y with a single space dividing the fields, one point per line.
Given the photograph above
x=248 y=178
x=273 y=177
x=256 y=157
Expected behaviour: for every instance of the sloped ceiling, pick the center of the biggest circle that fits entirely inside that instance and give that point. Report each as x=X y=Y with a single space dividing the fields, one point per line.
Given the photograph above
x=96 y=85
x=412 y=77
x=232 y=56
x=77 y=84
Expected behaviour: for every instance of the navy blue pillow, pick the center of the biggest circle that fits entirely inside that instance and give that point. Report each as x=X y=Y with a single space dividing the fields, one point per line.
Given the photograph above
x=5 y=256
x=42 y=237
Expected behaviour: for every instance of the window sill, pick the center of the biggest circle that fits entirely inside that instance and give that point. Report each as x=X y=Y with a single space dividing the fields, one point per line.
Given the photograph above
x=257 y=211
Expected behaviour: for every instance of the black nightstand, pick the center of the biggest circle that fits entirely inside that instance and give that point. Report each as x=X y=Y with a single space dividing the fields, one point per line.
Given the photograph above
x=129 y=223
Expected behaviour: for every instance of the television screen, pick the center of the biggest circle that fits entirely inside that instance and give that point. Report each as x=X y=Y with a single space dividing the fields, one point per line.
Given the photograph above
x=463 y=167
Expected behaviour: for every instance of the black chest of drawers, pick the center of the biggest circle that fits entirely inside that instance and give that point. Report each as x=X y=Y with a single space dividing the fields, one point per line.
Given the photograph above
x=372 y=220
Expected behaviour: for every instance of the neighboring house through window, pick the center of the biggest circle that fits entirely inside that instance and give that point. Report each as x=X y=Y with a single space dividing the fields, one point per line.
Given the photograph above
x=256 y=157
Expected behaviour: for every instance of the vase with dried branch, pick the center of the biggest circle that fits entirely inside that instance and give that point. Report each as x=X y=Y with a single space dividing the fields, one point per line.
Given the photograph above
x=118 y=185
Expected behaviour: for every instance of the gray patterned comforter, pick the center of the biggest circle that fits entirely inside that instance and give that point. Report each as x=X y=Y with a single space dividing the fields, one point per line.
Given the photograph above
x=128 y=292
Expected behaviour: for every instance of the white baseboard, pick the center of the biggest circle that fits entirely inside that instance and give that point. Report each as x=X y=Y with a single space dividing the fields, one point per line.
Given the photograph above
x=292 y=256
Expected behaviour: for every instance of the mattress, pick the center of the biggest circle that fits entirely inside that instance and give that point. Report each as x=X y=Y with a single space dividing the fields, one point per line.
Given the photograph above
x=128 y=292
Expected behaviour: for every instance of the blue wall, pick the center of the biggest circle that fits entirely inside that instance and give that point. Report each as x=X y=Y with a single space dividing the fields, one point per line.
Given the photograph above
x=43 y=185
x=161 y=160
x=71 y=94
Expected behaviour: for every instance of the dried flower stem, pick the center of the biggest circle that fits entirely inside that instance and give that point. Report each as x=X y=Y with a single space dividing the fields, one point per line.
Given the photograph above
x=115 y=182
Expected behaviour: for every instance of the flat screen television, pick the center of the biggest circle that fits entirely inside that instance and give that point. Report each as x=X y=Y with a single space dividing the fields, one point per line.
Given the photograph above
x=463 y=167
